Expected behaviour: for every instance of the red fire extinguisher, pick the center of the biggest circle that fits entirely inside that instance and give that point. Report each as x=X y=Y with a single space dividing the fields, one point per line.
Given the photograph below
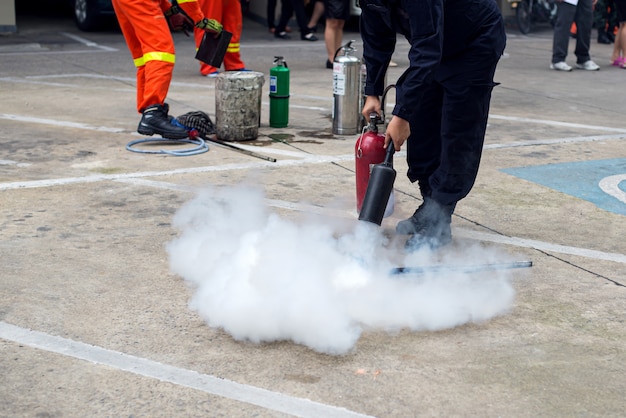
x=368 y=150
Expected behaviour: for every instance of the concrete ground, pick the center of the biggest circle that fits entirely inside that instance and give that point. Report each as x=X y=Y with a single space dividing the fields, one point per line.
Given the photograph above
x=94 y=322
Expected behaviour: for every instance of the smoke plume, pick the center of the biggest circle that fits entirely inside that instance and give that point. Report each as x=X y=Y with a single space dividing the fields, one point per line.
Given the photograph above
x=264 y=278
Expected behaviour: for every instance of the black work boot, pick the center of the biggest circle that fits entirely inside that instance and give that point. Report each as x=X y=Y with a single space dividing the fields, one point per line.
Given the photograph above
x=156 y=121
x=429 y=225
x=413 y=224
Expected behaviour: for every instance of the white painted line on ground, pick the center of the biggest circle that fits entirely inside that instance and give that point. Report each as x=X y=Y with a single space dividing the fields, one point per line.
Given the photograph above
x=64 y=124
x=557 y=123
x=610 y=185
x=224 y=388
x=47 y=52
x=87 y=42
x=539 y=245
x=574 y=139
x=129 y=80
x=14 y=80
x=311 y=159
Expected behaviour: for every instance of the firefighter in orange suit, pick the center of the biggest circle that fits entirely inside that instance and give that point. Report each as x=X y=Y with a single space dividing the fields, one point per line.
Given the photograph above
x=146 y=26
x=228 y=12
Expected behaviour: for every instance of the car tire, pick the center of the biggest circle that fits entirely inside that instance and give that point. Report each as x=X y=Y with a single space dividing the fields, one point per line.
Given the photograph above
x=86 y=15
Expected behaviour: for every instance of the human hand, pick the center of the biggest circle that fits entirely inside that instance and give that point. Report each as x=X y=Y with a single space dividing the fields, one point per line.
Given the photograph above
x=210 y=25
x=371 y=105
x=398 y=130
x=177 y=21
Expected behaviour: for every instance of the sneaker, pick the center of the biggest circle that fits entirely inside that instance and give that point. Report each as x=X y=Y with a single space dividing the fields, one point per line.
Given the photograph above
x=560 y=66
x=281 y=35
x=308 y=37
x=212 y=74
x=619 y=62
x=155 y=120
x=588 y=66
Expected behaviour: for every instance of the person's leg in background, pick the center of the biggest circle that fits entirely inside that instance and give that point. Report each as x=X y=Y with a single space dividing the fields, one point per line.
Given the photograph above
x=233 y=22
x=212 y=9
x=337 y=12
x=316 y=15
x=618 y=57
x=584 y=22
x=560 y=42
x=306 y=34
x=286 y=11
x=151 y=45
x=271 y=15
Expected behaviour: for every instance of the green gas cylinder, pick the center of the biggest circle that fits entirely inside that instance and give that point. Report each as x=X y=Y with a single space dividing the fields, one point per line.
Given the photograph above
x=279 y=94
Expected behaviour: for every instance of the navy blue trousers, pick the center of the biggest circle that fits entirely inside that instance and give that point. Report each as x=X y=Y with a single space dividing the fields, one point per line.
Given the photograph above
x=448 y=130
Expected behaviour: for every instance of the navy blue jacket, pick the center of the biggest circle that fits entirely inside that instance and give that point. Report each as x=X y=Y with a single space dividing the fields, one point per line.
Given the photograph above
x=437 y=30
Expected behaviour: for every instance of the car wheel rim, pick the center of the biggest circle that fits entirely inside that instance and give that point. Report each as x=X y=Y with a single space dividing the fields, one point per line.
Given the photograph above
x=80 y=9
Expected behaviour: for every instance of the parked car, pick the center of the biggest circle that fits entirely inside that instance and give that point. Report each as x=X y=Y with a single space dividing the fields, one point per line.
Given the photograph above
x=355 y=8
x=91 y=15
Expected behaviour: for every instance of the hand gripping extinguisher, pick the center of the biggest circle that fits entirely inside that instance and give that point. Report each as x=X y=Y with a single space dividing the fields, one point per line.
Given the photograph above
x=346 y=92
x=379 y=189
x=370 y=155
x=279 y=94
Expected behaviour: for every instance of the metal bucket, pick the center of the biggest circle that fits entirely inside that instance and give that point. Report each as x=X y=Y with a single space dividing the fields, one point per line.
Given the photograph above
x=238 y=105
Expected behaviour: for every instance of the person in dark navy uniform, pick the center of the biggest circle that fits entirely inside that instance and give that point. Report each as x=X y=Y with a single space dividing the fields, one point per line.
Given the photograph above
x=442 y=99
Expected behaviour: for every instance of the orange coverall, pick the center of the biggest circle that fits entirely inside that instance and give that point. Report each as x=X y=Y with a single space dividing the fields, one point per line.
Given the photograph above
x=228 y=13
x=151 y=45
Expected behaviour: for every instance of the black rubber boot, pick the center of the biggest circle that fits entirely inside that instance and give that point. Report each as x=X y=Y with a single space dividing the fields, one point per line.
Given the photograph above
x=414 y=223
x=156 y=121
x=429 y=225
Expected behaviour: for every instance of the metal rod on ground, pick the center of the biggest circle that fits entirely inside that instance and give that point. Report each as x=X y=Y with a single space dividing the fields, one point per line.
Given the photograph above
x=468 y=268
x=244 y=151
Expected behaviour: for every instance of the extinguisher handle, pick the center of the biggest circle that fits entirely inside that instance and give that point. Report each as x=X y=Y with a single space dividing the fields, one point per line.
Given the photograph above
x=391 y=149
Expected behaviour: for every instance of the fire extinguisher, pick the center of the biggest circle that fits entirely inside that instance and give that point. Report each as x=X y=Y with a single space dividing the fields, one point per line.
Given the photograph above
x=346 y=91
x=369 y=150
x=279 y=94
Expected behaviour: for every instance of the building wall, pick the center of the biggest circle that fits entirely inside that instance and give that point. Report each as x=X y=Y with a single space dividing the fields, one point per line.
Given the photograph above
x=7 y=16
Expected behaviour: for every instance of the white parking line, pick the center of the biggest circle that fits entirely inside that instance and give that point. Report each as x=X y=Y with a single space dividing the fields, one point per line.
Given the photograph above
x=264 y=398
x=88 y=43
x=557 y=123
x=60 y=123
x=540 y=245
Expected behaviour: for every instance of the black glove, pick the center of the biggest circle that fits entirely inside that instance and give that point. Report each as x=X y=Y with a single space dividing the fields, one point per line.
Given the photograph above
x=199 y=121
x=178 y=21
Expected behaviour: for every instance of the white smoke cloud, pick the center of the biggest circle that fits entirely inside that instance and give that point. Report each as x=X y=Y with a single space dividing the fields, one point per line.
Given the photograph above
x=263 y=278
